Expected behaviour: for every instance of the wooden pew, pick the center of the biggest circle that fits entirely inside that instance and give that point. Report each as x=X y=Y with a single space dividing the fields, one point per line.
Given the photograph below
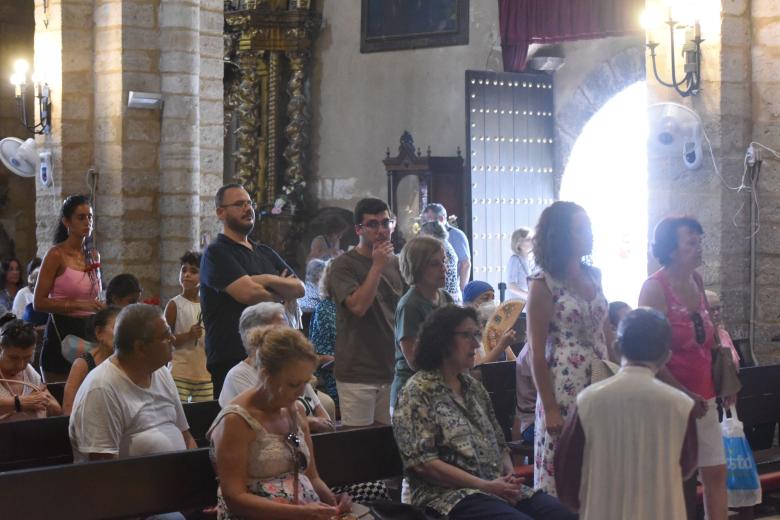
x=45 y=442
x=499 y=380
x=178 y=481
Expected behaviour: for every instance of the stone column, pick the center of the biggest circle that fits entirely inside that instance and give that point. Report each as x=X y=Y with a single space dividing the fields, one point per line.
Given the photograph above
x=724 y=107
x=761 y=19
x=179 y=182
x=211 y=118
x=63 y=58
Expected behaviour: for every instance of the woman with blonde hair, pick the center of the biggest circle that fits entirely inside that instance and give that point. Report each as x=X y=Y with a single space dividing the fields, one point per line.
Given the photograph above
x=422 y=264
x=520 y=265
x=261 y=445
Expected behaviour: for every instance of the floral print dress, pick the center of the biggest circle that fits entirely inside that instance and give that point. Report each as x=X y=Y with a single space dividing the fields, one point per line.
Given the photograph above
x=574 y=339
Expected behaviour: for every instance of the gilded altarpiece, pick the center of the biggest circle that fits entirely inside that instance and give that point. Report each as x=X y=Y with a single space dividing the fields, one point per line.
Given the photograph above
x=268 y=45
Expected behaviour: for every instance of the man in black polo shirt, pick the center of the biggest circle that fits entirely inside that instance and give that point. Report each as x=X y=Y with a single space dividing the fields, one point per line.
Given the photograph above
x=235 y=273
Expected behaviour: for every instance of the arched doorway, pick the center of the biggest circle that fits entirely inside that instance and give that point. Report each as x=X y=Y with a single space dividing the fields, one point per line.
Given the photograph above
x=607 y=174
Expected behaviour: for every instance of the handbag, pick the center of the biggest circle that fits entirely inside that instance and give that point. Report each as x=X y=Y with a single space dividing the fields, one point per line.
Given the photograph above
x=72 y=346
x=742 y=483
x=724 y=372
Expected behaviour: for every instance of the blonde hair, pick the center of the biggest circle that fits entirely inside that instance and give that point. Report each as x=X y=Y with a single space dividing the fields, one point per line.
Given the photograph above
x=280 y=346
x=415 y=256
x=518 y=236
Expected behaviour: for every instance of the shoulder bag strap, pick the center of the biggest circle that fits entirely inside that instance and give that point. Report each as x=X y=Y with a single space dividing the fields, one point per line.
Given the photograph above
x=294 y=450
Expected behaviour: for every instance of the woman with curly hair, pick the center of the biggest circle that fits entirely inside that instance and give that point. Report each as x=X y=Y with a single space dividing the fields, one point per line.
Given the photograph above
x=566 y=313
x=452 y=447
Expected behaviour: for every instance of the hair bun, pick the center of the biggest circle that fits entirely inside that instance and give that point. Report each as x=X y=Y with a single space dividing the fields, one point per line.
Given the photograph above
x=7 y=317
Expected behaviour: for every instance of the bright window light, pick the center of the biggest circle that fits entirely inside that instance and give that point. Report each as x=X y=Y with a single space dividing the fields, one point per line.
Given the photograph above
x=607 y=175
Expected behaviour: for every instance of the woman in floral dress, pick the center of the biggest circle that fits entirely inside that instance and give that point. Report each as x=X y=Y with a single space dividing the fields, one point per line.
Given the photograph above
x=566 y=318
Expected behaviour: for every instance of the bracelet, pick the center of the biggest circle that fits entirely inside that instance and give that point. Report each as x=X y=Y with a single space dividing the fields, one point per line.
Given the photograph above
x=17 y=404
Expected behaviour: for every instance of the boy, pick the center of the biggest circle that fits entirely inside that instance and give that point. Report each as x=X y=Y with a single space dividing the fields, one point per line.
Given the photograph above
x=183 y=315
x=632 y=439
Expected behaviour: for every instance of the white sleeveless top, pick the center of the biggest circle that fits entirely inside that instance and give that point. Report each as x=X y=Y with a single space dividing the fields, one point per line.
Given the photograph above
x=189 y=358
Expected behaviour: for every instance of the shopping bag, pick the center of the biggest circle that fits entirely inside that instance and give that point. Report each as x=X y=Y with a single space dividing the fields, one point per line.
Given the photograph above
x=744 y=488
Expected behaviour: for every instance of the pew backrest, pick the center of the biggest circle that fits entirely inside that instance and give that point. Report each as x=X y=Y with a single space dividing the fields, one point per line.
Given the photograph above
x=112 y=489
x=45 y=442
x=499 y=380
x=759 y=399
x=177 y=481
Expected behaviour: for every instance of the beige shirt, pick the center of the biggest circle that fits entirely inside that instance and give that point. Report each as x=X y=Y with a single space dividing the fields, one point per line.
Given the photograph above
x=189 y=358
x=634 y=428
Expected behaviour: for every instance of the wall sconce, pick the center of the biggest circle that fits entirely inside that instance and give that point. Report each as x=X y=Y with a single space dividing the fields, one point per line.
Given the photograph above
x=41 y=92
x=689 y=84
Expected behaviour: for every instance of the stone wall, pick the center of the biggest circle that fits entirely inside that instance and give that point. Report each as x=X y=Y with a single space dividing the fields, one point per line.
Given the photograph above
x=17 y=213
x=361 y=103
x=761 y=19
x=154 y=166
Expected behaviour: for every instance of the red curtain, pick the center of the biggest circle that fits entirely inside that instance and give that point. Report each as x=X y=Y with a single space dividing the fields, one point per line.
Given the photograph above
x=523 y=22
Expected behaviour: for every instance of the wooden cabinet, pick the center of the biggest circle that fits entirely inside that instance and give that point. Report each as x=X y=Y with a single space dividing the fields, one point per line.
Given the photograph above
x=415 y=180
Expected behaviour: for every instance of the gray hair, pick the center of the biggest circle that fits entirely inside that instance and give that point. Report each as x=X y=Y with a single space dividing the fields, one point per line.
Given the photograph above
x=257 y=315
x=437 y=209
x=314 y=270
x=435 y=229
x=136 y=322
x=415 y=256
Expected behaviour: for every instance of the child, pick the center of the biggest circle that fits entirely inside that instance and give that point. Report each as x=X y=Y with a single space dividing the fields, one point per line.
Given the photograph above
x=103 y=336
x=631 y=440
x=183 y=316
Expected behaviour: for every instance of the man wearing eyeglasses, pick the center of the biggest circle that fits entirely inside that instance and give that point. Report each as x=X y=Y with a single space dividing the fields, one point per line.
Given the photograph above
x=366 y=285
x=235 y=273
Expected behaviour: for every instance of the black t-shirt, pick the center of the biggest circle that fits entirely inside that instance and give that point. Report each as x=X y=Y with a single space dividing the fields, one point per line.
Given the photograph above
x=225 y=261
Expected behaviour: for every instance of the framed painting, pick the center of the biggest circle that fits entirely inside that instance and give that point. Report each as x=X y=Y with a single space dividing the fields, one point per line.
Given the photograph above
x=388 y=25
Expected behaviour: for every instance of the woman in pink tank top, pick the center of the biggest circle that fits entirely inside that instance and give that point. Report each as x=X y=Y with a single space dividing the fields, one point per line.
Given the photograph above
x=677 y=290
x=69 y=284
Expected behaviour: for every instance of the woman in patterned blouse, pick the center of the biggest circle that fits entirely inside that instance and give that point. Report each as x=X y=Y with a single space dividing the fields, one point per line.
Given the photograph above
x=453 y=449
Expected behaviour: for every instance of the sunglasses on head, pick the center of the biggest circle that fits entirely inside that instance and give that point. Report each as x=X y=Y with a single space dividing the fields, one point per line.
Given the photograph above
x=698 y=328
x=294 y=442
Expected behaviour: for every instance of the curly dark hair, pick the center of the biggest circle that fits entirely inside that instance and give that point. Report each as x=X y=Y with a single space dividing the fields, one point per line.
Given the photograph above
x=435 y=339
x=552 y=238
x=665 y=236
x=191 y=258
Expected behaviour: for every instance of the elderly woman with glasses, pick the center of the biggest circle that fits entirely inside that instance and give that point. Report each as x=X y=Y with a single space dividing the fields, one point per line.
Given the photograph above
x=677 y=290
x=453 y=450
x=261 y=444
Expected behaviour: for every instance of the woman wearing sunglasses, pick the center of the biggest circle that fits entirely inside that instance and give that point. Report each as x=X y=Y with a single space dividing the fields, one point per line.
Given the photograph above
x=261 y=444
x=677 y=290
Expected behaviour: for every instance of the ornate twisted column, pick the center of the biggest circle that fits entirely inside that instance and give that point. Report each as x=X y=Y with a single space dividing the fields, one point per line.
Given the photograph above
x=296 y=130
x=248 y=130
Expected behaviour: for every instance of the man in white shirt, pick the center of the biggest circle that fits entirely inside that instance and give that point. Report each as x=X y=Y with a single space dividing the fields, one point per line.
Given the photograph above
x=632 y=438
x=129 y=405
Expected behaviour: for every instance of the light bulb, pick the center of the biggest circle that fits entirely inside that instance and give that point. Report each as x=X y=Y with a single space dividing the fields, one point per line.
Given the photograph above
x=21 y=67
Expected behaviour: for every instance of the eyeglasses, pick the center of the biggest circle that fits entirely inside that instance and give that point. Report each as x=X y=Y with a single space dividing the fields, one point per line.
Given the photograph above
x=294 y=442
x=374 y=224
x=698 y=328
x=241 y=204
x=469 y=334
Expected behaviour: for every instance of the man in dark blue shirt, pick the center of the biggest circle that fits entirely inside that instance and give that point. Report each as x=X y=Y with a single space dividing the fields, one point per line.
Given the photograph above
x=235 y=273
